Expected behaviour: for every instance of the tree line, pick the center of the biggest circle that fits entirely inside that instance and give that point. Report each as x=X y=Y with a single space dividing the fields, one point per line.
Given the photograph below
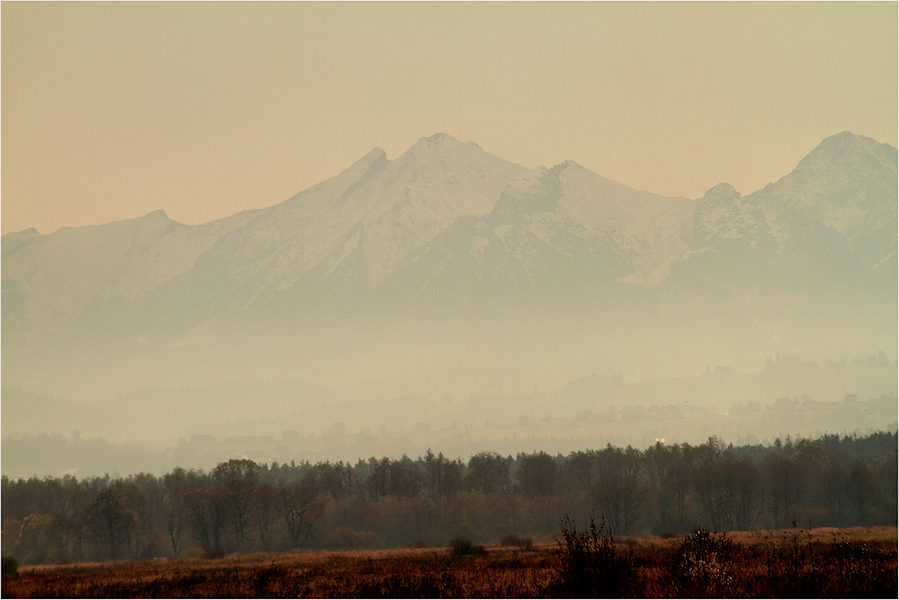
x=242 y=506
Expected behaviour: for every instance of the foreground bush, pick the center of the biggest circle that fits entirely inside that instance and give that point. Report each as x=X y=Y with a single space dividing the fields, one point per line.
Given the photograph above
x=590 y=564
x=9 y=566
x=462 y=546
x=703 y=566
x=522 y=543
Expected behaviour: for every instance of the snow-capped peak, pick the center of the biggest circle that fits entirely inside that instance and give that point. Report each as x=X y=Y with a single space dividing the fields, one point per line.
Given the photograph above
x=340 y=240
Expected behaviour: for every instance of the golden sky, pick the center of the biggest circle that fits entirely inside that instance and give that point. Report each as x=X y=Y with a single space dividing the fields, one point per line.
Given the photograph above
x=113 y=110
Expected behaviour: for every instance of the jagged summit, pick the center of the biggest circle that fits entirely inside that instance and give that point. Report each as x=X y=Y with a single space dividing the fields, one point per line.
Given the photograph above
x=442 y=146
x=843 y=141
x=723 y=214
x=376 y=155
x=569 y=164
x=844 y=179
x=436 y=142
x=721 y=190
x=158 y=214
x=438 y=138
x=847 y=150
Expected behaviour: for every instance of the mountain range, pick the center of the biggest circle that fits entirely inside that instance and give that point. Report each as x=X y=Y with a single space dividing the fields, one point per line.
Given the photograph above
x=450 y=233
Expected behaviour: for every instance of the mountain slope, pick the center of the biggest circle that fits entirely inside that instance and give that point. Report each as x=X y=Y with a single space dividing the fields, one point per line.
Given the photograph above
x=830 y=223
x=81 y=277
x=556 y=238
x=845 y=189
x=330 y=246
x=447 y=233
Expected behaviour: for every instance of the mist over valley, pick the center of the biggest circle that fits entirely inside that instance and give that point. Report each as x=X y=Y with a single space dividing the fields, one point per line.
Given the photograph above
x=454 y=300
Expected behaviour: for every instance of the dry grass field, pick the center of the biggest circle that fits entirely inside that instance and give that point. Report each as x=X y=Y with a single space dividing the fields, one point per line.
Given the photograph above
x=823 y=562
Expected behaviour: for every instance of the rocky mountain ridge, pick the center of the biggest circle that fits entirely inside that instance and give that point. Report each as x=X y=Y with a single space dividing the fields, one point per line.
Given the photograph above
x=447 y=230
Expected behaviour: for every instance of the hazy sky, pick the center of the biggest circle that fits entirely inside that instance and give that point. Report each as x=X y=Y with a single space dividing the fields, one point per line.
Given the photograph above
x=113 y=110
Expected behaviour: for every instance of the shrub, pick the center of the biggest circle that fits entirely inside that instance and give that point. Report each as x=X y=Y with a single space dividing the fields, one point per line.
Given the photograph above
x=703 y=565
x=590 y=565
x=513 y=540
x=10 y=566
x=861 y=571
x=462 y=546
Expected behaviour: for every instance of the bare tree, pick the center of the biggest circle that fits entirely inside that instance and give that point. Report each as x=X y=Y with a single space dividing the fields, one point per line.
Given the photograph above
x=265 y=513
x=301 y=509
x=175 y=486
x=861 y=487
x=619 y=491
x=786 y=488
x=207 y=515
x=236 y=480
x=748 y=493
x=112 y=521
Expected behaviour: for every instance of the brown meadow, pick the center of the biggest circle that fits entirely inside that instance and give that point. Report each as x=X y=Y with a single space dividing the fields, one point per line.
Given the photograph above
x=826 y=562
